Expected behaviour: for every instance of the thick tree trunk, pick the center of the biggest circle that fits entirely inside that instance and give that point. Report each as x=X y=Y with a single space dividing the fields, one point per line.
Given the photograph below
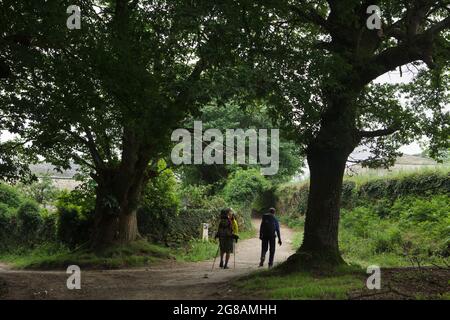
x=322 y=216
x=128 y=229
x=327 y=156
x=115 y=216
x=320 y=242
x=117 y=201
x=118 y=194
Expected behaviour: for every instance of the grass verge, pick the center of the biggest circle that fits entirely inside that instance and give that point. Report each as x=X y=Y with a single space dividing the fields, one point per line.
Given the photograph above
x=347 y=282
x=50 y=256
x=302 y=285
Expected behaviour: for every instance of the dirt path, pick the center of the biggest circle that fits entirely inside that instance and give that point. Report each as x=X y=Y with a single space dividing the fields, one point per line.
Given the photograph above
x=169 y=280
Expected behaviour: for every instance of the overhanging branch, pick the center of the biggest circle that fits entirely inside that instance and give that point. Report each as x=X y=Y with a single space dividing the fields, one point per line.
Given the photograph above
x=412 y=46
x=378 y=133
x=93 y=149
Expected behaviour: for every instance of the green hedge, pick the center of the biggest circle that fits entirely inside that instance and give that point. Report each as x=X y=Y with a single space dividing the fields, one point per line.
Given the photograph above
x=29 y=221
x=187 y=225
x=183 y=226
x=292 y=199
x=416 y=184
x=73 y=227
x=394 y=220
x=9 y=196
x=23 y=224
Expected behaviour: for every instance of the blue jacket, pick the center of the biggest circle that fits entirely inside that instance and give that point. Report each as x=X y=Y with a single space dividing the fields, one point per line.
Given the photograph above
x=276 y=225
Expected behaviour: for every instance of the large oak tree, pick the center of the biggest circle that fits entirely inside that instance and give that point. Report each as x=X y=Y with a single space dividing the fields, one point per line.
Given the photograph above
x=107 y=96
x=322 y=62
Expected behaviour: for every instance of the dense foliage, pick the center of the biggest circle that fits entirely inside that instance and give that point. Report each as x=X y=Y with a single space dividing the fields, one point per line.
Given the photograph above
x=410 y=231
x=233 y=115
x=42 y=191
x=22 y=222
x=244 y=186
x=136 y=71
x=169 y=213
x=396 y=220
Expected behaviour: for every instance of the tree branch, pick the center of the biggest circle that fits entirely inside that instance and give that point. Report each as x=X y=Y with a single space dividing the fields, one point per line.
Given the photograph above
x=82 y=161
x=417 y=48
x=378 y=133
x=388 y=60
x=438 y=27
x=412 y=45
x=93 y=151
x=183 y=95
x=309 y=14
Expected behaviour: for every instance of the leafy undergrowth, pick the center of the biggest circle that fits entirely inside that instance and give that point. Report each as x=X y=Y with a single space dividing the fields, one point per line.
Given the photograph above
x=138 y=253
x=411 y=231
x=302 y=285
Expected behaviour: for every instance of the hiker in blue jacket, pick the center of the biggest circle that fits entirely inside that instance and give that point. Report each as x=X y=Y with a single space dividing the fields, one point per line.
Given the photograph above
x=269 y=230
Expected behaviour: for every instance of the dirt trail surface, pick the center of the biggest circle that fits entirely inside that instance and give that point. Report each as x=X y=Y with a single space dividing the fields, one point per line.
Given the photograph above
x=167 y=280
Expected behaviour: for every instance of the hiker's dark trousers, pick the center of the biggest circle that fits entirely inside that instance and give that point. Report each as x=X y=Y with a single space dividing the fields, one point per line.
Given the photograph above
x=268 y=243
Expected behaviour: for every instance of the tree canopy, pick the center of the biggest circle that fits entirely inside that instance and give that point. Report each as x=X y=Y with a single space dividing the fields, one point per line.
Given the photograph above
x=235 y=116
x=108 y=96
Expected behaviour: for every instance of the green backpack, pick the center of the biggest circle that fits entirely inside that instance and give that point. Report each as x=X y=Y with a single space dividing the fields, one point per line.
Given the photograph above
x=225 y=229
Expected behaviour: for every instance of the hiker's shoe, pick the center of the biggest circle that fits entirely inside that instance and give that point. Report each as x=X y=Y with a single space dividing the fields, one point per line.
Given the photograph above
x=270 y=266
x=261 y=264
x=221 y=264
x=226 y=267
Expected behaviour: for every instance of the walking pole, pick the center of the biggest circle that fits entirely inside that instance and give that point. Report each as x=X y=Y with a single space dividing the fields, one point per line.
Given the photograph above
x=215 y=257
x=234 y=255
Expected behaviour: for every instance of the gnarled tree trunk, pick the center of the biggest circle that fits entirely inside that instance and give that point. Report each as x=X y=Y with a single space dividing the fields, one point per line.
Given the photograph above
x=118 y=194
x=115 y=210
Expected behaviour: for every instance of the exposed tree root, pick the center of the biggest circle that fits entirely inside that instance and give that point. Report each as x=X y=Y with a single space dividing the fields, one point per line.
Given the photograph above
x=311 y=261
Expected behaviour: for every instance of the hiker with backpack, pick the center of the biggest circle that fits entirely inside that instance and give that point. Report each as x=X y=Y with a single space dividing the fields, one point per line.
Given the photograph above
x=268 y=231
x=226 y=236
